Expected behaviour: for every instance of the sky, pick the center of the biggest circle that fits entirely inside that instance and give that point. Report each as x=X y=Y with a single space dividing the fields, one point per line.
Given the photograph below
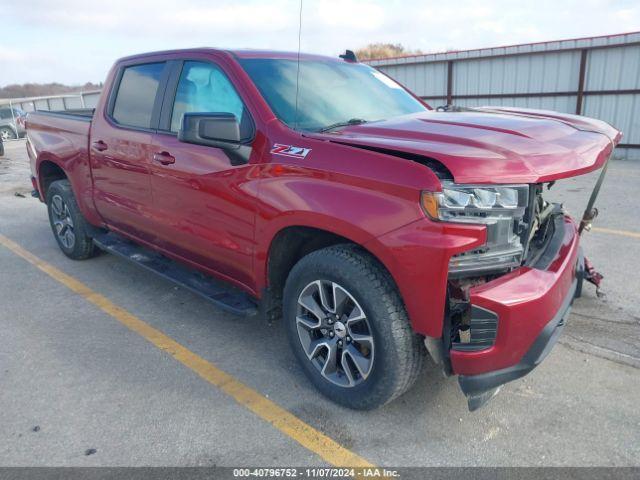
x=76 y=41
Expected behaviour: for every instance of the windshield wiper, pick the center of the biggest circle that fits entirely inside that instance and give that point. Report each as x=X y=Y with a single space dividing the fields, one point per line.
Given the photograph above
x=352 y=121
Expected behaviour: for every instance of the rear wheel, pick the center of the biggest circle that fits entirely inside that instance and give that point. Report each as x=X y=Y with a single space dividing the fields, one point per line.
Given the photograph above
x=67 y=223
x=348 y=328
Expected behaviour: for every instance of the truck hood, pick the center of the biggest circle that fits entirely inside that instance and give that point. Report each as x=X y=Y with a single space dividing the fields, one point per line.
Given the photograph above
x=491 y=145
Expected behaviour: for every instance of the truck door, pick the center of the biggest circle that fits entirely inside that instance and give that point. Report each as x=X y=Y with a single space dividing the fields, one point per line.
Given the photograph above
x=200 y=193
x=121 y=149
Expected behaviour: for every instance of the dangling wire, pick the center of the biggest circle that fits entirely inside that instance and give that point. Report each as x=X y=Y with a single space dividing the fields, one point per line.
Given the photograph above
x=295 y=120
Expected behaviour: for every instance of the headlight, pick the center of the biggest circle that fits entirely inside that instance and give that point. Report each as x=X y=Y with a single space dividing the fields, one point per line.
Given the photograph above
x=501 y=208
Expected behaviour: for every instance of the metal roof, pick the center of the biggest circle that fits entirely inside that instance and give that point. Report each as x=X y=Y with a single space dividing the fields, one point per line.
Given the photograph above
x=522 y=49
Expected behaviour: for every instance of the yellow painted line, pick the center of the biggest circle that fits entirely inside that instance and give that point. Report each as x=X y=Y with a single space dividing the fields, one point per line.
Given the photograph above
x=307 y=436
x=624 y=233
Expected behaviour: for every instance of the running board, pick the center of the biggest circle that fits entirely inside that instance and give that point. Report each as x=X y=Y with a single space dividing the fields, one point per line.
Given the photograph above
x=217 y=292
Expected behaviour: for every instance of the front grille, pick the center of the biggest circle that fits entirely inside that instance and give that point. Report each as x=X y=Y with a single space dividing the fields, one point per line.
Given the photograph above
x=480 y=333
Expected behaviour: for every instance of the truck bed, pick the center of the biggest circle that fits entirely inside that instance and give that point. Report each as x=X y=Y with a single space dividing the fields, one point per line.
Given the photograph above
x=63 y=138
x=76 y=122
x=61 y=135
x=77 y=113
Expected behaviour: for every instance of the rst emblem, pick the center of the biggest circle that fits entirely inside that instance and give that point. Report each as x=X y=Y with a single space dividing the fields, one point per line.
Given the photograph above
x=290 y=150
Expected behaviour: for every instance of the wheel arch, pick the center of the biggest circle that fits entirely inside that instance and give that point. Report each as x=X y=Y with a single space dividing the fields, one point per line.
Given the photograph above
x=49 y=169
x=290 y=244
x=48 y=172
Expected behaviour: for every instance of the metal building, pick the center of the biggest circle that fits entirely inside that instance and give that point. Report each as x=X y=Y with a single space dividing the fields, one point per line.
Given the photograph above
x=67 y=101
x=597 y=77
x=70 y=101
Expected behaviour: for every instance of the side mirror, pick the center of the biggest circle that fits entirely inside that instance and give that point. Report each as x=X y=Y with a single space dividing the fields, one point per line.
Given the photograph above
x=220 y=130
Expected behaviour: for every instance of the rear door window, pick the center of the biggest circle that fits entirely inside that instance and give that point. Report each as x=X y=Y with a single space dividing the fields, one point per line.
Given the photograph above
x=136 y=95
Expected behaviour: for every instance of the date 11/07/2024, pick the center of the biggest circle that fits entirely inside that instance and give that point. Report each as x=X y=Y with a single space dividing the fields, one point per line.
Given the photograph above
x=368 y=472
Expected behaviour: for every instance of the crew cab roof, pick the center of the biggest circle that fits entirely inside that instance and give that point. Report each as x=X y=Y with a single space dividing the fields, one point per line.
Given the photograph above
x=237 y=53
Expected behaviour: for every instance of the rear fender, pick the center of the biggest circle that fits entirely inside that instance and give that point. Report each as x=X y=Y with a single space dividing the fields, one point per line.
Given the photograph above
x=81 y=184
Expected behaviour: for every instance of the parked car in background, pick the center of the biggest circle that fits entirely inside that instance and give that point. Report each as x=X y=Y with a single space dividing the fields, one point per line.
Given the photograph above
x=12 y=123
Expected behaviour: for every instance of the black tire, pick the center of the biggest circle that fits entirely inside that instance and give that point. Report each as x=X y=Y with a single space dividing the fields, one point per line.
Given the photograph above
x=82 y=246
x=399 y=352
x=8 y=133
x=580 y=273
x=1 y=148
x=579 y=283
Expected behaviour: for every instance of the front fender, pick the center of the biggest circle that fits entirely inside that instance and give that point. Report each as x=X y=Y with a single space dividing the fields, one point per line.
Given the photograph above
x=297 y=197
x=417 y=257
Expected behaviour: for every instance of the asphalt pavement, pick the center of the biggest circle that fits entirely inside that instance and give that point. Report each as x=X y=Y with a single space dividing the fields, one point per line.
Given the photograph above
x=80 y=388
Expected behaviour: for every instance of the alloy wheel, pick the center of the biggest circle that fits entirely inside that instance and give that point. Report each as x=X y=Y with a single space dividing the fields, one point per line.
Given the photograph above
x=62 y=222
x=335 y=333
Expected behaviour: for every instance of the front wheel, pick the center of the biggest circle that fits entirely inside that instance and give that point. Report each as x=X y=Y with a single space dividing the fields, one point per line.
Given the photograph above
x=348 y=328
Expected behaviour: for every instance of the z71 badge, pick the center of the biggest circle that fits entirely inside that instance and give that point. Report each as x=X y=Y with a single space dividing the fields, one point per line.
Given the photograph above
x=290 y=150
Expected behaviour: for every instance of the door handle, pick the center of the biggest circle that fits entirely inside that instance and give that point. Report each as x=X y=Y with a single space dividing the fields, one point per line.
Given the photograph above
x=164 y=158
x=100 y=146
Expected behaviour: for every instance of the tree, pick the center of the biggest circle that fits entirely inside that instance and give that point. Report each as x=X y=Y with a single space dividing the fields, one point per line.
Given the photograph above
x=384 y=50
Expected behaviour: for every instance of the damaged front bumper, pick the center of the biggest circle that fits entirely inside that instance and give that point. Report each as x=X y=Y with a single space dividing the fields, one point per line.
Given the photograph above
x=482 y=387
x=518 y=317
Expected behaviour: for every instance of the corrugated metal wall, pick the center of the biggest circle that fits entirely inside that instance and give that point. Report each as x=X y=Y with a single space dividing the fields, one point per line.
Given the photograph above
x=55 y=102
x=597 y=77
x=615 y=69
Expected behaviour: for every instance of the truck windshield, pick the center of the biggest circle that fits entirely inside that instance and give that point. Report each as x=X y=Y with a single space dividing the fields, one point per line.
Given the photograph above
x=331 y=93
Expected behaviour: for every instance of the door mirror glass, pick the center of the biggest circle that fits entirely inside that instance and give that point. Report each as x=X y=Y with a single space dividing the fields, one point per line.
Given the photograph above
x=220 y=130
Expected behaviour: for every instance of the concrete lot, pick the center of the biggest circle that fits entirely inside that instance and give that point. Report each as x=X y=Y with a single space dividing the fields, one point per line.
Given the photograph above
x=88 y=382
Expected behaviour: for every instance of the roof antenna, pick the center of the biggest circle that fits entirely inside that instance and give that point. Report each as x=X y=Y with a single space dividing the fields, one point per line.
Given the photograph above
x=349 y=56
x=295 y=121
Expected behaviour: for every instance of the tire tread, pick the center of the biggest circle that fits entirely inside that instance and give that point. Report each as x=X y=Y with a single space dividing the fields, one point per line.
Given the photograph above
x=408 y=347
x=84 y=247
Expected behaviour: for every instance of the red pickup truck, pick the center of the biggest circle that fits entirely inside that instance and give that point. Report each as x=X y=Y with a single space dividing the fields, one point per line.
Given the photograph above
x=322 y=192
